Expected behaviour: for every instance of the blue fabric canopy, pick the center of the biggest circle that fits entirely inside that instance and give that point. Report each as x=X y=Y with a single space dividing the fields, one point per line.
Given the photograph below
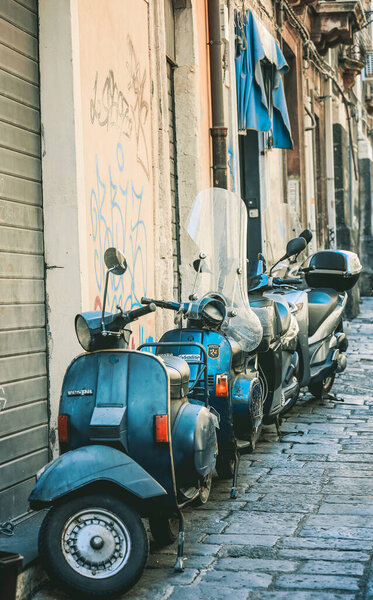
x=260 y=90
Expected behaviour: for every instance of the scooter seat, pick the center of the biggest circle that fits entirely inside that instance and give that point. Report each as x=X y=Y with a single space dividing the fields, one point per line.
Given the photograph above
x=179 y=373
x=321 y=303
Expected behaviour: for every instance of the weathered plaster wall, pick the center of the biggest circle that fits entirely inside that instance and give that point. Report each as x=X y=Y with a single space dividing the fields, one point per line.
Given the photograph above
x=117 y=149
x=205 y=92
x=192 y=121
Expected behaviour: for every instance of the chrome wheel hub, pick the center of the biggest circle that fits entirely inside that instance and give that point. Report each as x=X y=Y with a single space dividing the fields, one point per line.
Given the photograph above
x=95 y=543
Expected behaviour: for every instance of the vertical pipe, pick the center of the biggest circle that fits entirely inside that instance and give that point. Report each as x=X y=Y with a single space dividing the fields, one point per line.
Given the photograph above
x=218 y=130
x=329 y=160
x=310 y=172
x=350 y=174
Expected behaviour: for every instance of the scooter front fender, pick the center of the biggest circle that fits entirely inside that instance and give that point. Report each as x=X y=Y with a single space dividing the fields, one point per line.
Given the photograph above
x=91 y=464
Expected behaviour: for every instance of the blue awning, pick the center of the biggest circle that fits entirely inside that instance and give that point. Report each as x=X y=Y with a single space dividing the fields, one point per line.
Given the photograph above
x=260 y=65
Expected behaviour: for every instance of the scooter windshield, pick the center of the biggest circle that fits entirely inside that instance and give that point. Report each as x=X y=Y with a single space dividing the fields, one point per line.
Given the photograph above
x=217 y=225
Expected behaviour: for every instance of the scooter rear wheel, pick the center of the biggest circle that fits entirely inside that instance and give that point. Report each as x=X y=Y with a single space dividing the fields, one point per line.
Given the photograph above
x=164 y=528
x=225 y=466
x=93 y=545
x=321 y=387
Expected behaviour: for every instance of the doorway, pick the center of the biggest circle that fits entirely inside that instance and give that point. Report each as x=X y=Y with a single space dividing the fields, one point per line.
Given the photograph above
x=250 y=191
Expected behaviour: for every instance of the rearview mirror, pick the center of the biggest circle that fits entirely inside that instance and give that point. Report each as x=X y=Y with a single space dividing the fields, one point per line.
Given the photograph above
x=115 y=261
x=198 y=264
x=295 y=246
x=307 y=235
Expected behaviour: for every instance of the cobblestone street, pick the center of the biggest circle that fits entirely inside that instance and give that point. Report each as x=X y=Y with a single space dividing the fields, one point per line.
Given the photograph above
x=302 y=525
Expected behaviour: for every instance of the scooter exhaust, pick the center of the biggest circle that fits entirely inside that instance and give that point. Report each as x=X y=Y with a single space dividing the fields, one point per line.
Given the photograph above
x=341 y=363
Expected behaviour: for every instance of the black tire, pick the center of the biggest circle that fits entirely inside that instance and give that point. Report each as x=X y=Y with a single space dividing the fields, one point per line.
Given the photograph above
x=58 y=544
x=204 y=491
x=225 y=465
x=164 y=528
x=321 y=387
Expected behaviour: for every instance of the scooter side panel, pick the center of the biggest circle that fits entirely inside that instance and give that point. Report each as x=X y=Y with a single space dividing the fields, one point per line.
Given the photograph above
x=193 y=443
x=89 y=464
x=329 y=325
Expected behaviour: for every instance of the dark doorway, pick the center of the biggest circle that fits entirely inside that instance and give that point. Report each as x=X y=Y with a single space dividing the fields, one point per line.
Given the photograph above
x=250 y=191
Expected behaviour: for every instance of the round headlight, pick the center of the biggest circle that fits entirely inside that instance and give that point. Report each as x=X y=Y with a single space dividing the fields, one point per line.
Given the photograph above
x=214 y=312
x=83 y=333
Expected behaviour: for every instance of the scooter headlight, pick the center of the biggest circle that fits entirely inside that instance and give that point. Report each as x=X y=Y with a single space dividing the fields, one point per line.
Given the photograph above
x=88 y=328
x=83 y=333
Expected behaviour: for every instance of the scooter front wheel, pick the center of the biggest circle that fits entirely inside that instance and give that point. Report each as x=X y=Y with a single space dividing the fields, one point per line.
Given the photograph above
x=321 y=387
x=93 y=545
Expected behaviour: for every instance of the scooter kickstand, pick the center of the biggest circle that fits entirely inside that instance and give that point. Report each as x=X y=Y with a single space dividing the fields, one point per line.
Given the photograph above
x=278 y=423
x=333 y=397
x=235 y=477
x=179 y=565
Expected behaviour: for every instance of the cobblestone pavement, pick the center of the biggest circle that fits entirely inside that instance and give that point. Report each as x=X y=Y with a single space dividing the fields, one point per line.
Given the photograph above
x=302 y=525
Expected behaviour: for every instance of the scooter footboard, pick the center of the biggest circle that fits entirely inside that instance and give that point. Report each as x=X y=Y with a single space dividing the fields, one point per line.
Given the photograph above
x=90 y=464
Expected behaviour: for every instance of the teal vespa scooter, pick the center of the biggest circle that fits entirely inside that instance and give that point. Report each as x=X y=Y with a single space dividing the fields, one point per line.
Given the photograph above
x=132 y=446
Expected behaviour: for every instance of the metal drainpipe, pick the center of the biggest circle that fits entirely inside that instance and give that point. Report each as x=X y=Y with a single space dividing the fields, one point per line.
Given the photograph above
x=350 y=174
x=218 y=130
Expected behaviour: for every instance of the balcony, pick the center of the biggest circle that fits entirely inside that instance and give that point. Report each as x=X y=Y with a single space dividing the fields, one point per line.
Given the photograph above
x=352 y=59
x=300 y=4
x=335 y=21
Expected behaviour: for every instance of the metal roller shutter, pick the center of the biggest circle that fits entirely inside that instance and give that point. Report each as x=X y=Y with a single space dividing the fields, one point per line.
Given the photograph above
x=23 y=365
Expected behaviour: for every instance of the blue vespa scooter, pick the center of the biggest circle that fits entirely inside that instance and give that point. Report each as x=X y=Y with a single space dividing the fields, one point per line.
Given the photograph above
x=132 y=446
x=218 y=317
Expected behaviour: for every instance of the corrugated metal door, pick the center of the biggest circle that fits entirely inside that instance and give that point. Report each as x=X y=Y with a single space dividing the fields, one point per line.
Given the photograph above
x=23 y=371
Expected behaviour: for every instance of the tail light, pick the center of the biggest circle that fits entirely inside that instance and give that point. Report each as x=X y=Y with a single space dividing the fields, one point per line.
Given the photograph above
x=221 y=386
x=63 y=428
x=161 y=428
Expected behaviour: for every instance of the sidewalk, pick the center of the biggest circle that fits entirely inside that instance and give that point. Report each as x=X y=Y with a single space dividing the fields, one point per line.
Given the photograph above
x=302 y=525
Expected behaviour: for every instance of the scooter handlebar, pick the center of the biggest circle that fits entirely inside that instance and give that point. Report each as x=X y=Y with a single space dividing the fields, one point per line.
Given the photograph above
x=132 y=315
x=161 y=303
x=279 y=280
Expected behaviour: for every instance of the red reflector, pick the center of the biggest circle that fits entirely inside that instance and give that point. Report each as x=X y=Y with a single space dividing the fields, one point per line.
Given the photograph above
x=63 y=428
x=161 y=428
x=221 y=386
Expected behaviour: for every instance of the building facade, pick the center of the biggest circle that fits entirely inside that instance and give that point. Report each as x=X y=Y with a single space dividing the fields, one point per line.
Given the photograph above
x=113 y=117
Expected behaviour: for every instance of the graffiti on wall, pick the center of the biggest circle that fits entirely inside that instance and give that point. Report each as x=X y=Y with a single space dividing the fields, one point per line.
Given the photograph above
x=111 y=108
x=116 y=210
x=117 y=135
